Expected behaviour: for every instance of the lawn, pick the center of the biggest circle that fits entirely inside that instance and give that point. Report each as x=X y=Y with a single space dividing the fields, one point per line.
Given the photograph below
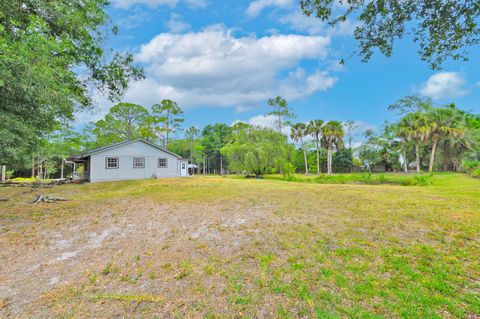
x=363 y=178
x=219 y=247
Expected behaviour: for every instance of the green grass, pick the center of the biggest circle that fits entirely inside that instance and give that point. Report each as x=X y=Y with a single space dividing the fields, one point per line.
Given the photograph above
x=334 y=247
x=362 y=178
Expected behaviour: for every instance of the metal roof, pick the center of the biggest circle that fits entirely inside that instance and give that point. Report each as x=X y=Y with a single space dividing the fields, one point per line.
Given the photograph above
x=116 y=145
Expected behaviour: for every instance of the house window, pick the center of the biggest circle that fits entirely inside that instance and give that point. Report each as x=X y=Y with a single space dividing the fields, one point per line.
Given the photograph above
x=162 y=162
x=138 y=162
x=111 y=162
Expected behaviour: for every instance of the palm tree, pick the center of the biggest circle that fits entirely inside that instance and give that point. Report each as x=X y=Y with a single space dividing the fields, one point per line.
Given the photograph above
x=315 y=130
x=298 y=132
x=333 y=135
x=404 y=132
x=443 y=121
x=413 y=127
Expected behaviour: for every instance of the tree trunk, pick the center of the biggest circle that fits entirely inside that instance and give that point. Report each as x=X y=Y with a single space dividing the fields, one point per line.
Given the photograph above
x=329 y=160
x=221 y=165
x=417 y=156
x=40 y=166
x=446 y=157
x=318 y=160
x=432 y=156
x=306 y=161
x=61 y=170
x=3 y=173
x=405 y=162
x=33 y=166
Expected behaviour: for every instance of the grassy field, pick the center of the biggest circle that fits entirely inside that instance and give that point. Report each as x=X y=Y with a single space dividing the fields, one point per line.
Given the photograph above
x=362 y=179
x=218 y=247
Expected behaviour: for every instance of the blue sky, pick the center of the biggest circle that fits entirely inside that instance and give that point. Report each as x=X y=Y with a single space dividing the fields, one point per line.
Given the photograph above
x=221 y=60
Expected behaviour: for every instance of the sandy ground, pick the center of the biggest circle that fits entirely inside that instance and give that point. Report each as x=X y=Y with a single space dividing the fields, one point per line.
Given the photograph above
x=50 y=256
x=221 y=248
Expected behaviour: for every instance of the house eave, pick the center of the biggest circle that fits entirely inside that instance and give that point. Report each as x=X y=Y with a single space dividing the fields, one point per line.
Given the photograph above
x=116 y=145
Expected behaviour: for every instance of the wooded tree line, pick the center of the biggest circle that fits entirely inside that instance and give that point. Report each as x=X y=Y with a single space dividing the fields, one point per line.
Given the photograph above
x=53 y=58
x=425 y=137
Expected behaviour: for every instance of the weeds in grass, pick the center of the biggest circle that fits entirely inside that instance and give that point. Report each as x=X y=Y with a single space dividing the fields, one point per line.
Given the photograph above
x=325 y=251
x=92 y=278
x=362 y=178
x=186 y=269
x=130 y=297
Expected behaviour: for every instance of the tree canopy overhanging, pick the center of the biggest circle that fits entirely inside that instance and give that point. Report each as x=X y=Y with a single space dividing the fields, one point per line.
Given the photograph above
x=52 y=57
x=443 y=29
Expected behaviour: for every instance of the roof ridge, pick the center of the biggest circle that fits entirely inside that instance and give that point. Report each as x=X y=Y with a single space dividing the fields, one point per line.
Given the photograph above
x=115 y=145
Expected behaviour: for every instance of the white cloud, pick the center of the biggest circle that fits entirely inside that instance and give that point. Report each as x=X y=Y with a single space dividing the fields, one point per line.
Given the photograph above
x=201 y=4
x=263 y=121
x=176 y=24
x=139 y=17
x=215 y=68
x=267 y=121
x=125 y=4
x=444 y=85
x=242 y=109
x=102 y=106
x=299 y=22
x=257 y=6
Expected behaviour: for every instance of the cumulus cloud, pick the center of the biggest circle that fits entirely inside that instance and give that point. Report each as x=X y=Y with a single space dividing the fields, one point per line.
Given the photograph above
x=444 y=85
x=257 y=6
x=176 y=24
x=263 y=121
x=299 y=22
x=267 y=121
x=135 y=20
x=215 y=68
x=201 y=4
x=125 y=4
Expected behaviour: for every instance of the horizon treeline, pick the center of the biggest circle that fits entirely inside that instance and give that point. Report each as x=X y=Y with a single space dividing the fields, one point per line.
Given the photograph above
x=424 y=137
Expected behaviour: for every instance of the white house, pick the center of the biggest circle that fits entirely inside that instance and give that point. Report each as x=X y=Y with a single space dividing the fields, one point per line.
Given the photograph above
x=136 y=159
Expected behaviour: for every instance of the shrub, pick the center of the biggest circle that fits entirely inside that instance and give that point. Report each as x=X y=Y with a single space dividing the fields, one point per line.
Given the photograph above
x=9 y=173
x=423 y=180
x=476 y=173
x=288 y=171
x=470 y=166
x=382 y=179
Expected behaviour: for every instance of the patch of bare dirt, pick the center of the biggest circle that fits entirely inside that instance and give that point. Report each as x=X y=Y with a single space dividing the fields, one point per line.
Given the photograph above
x=63 y=254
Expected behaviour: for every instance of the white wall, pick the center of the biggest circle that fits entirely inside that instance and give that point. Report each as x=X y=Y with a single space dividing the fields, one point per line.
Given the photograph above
x=125 y=154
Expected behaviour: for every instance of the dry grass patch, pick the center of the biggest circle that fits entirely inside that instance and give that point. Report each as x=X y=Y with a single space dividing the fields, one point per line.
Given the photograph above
x=218 y=247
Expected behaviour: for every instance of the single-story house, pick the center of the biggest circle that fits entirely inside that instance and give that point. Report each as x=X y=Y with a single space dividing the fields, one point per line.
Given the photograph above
x=136 y=159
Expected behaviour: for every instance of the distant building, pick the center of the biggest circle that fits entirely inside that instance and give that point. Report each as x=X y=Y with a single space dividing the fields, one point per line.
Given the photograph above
x=136 y=159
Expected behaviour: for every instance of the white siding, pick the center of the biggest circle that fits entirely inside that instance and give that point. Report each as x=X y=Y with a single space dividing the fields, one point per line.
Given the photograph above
x=126 y=154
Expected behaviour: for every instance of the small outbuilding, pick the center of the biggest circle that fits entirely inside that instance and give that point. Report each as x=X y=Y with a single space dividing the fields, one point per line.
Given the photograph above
x=138 y=159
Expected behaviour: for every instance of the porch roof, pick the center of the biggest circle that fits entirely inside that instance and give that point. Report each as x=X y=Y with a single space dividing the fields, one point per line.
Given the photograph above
x=78 y=158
